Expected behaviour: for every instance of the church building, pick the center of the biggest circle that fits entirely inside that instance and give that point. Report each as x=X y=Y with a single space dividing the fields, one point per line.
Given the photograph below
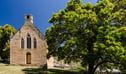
x=28 y=46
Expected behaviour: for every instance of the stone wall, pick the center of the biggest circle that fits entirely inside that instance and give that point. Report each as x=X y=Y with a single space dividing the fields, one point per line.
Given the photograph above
x=18 y=55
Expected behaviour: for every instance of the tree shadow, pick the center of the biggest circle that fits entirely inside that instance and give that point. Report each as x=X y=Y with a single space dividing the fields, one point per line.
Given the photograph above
x=49 y=71
x=34 y=71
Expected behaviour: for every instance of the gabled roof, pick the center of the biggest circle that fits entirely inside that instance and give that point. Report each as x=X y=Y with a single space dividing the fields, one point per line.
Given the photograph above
x=29 y=22
x=37 y=31
x=33 y=27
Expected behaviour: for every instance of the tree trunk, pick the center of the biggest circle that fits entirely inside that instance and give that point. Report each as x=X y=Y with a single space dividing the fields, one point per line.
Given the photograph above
x=91 y=68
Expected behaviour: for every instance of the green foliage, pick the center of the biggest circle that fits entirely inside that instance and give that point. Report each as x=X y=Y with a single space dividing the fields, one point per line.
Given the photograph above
x=92 y=34
x=5 y=32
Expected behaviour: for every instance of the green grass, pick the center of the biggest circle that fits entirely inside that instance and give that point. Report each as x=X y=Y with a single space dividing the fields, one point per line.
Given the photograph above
x=12 y=69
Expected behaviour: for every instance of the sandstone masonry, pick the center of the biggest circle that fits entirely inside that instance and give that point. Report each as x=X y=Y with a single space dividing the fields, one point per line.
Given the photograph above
x=20 y=53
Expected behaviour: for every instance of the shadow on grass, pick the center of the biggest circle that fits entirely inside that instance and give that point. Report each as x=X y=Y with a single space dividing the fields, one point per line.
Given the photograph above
x=50 y=71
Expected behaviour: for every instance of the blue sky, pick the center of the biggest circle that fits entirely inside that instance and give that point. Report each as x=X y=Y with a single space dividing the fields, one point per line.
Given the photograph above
x=12 y=11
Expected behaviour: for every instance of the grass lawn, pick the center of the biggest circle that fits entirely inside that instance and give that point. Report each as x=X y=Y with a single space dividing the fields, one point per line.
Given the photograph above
x=11 y=69
x=8 y=69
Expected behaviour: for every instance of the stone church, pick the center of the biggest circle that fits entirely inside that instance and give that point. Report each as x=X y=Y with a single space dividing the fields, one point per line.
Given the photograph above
x=28 y=46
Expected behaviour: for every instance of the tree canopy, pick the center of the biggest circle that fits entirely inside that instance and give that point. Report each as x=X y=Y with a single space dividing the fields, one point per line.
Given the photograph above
x=92 y=34
x=5 y=32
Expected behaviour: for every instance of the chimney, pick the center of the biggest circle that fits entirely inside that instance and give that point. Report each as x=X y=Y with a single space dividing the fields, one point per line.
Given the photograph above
x=29 y=18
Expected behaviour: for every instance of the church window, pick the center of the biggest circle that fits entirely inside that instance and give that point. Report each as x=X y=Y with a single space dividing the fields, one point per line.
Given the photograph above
x=35 y=43
x=22 y=43
x=28 y=41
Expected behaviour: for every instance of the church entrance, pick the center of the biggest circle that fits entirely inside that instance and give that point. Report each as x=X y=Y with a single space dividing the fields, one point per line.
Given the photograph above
x=28 y=58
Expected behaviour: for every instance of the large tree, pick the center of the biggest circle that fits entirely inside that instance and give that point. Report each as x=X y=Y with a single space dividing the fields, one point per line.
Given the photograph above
x=5 y=33
x=87 y=33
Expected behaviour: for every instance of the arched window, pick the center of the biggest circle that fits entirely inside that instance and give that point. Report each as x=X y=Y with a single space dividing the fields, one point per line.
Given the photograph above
x=28 y=41
x=35 y=43
x=22 y=43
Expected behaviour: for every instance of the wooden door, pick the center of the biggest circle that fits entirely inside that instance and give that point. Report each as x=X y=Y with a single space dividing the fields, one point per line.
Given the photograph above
x=28 y=58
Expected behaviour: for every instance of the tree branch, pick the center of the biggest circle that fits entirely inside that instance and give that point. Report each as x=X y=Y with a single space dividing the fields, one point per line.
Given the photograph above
x=99 y=64
x=105 y=62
